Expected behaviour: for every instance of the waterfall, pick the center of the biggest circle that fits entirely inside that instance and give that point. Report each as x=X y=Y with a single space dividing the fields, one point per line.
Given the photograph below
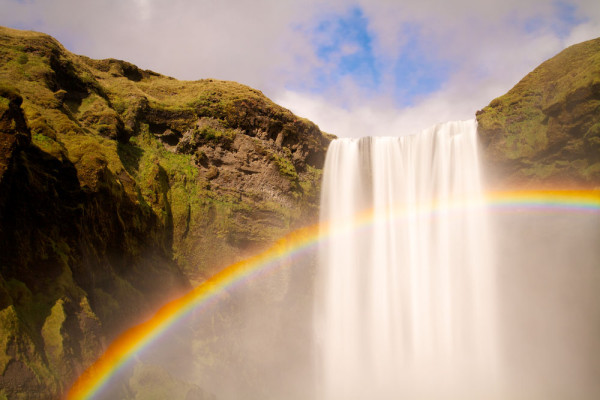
x=405 y=299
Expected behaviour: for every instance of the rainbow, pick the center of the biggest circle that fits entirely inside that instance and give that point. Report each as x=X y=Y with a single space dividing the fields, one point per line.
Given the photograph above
x=135 y=339
x=581 y=201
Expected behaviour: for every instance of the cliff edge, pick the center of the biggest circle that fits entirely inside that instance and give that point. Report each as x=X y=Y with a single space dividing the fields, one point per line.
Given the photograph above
x=546 y=129
x=119 y=189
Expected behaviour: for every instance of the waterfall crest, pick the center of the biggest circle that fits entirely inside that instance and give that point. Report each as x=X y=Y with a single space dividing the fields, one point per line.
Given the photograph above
x=405 y=301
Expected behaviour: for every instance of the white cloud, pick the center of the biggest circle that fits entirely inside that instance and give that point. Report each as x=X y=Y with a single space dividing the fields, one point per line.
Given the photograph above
x=268 y=44
x=489 y=45
x=381 y=118
x=583 y=32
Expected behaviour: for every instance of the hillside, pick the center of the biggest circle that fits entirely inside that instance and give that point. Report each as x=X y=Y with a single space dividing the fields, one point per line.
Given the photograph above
x=546 y=129
x=119 y=187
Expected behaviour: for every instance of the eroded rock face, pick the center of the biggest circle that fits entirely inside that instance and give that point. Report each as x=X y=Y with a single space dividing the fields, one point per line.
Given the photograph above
x=546 y=129
x=16 y=134
x=77 y=264
x=257 y=165
x=118 y=187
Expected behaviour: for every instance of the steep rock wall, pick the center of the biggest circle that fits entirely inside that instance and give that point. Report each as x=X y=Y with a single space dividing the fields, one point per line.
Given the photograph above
x=119 y=187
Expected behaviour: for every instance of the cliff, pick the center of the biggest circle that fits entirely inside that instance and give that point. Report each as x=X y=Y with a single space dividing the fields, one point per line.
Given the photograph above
x=119 y=187
x=546 y=129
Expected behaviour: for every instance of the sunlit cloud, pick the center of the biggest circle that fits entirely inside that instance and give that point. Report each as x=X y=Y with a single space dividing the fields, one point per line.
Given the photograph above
x=405 y=65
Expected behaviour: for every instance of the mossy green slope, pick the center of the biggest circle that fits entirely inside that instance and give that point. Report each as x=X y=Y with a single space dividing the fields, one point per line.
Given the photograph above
x=120 y=185
x=77 y=264
x=546 y=129
x=214 y=159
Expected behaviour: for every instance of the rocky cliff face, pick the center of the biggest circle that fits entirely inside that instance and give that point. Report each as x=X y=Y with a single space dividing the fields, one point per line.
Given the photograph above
x=546 y=129
x=77 y=263
x=119 y=187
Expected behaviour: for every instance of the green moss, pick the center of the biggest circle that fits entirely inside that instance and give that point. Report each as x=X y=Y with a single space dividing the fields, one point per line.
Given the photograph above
x=8 y=91
x=130 y=155
x=310 y=182
x=73 y=107
x=176 y=182
x=215 y=135
x=9 y=329
x=22 y=59
x=89 y=151
x=41 y=140
x=47 y=144
x=15 y=336
x=285 y=167
x=52 y=331
x=549 y=115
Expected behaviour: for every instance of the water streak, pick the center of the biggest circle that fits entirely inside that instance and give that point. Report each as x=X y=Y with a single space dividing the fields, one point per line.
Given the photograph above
x=406 y=307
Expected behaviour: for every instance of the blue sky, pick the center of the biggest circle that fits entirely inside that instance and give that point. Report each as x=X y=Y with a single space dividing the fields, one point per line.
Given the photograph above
x=344 y=44
x=363 y=67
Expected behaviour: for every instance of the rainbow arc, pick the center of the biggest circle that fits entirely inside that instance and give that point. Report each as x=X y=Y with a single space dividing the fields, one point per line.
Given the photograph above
x=135 y=339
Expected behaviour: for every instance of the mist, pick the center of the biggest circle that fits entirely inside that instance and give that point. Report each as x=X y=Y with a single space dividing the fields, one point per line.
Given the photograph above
x=252 y=341
x=548 y=268
x=258 y=338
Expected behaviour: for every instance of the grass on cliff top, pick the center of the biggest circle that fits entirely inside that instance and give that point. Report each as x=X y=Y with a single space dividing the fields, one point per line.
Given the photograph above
x=575 y=67
x=522 y=112
x=102 y=91
x=71 y=102
x=187 y=93
x=24 y=57
x=172 y=94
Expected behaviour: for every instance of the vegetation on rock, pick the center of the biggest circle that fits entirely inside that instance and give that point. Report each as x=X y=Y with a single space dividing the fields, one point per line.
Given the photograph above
x=119 y=186
x=546 y=129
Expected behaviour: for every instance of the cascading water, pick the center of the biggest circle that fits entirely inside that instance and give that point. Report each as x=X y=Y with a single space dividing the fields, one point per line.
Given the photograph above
x=405 y=291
